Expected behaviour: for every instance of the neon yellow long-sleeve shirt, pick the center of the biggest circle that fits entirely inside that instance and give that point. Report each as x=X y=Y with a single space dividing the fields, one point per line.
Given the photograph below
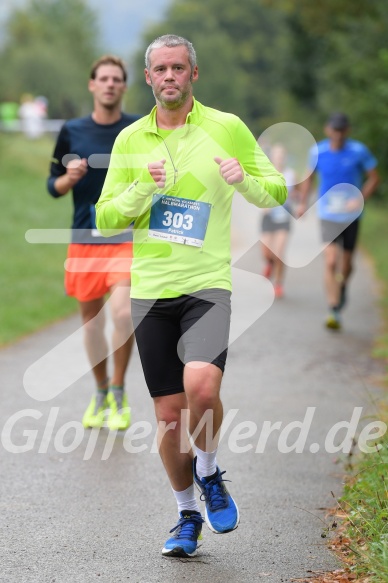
x=182 y=232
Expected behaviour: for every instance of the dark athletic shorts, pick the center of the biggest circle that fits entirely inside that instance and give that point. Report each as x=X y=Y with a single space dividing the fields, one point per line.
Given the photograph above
x=270 y=226
x=343 y=234
x=172 y=332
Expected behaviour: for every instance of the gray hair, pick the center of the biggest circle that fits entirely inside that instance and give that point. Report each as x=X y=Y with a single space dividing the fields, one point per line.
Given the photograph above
x=171 y=40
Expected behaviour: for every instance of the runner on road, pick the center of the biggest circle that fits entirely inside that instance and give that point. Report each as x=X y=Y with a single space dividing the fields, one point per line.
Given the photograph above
x=188 y=160
x=342 y=162
x=276 y=224
x=96 y=266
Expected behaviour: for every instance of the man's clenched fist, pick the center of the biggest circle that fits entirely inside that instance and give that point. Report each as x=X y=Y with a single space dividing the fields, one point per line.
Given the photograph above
x=158 y=172
x=230 y=170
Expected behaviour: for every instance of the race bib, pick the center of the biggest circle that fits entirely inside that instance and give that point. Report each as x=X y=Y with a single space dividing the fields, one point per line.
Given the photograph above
x=337 y=202
x=179 y=220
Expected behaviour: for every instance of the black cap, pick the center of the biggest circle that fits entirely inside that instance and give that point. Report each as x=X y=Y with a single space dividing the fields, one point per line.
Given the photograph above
x=338 y=121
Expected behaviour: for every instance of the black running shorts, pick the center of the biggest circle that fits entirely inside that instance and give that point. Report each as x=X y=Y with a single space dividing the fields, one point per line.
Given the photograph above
x=343 y=234
x=268 y=225
x=172 y=332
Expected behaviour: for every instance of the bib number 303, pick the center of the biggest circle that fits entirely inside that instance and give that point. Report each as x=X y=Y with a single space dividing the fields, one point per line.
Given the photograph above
x=179 y=220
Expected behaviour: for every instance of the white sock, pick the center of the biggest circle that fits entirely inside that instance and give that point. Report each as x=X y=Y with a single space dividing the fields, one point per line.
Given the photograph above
x=186 y=499
x=206 y=463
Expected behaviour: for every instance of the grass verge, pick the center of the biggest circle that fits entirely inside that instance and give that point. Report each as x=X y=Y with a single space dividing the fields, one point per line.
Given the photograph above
x=362 y=542
x=375 y=240
x=31 y=290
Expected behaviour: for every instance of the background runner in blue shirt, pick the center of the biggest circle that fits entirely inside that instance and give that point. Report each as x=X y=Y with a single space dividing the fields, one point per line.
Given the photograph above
x=347 y=176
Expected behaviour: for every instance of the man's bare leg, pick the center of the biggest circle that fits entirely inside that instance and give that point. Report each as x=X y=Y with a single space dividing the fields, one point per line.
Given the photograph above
x=123 y=337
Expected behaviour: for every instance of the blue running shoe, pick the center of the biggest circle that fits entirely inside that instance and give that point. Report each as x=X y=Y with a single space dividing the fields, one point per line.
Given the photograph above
x=221 y=513
x=187 y=533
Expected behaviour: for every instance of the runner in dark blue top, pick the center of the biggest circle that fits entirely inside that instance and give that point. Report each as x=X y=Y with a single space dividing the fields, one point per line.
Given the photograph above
x=95 y=265
x=84 y=138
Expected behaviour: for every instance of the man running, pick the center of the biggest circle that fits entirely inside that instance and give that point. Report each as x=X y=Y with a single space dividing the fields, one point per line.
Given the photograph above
x=96 y=266
x=344 y=167
x=188 y=160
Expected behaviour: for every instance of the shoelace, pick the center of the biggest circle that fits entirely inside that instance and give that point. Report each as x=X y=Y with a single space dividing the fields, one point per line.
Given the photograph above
x=187 y=526
x=214 y=493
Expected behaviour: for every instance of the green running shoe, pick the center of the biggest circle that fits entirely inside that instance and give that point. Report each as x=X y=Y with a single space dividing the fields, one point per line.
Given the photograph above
x=333 y=321
x=119 y=417
x=94 y=415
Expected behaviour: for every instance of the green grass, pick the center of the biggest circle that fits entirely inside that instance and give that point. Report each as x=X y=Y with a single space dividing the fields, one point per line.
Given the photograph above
x=374 y=238
x=31 y=290
x=365 y=501
x=365 y=497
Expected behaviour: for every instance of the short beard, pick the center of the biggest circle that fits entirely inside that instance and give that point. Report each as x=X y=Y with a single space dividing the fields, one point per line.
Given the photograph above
x=171 y=105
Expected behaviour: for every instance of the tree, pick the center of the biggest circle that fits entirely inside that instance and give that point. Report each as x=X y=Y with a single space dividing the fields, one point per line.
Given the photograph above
x=354 y=79
x=40 y=56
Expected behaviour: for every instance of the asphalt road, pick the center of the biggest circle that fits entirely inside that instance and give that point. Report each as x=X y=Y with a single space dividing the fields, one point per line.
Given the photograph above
x=92 y=506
